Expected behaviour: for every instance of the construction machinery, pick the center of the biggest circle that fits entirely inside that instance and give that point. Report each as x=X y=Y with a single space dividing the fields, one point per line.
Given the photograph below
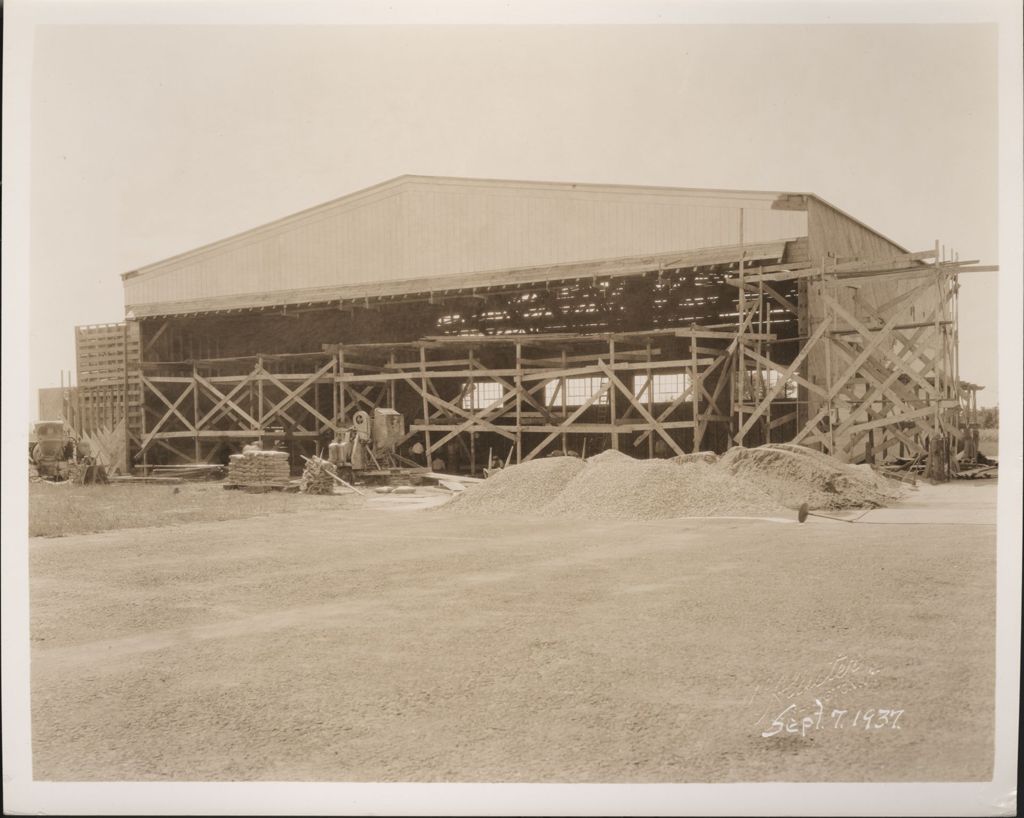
x=52 y=450
x=57 y=454
x=368 y=449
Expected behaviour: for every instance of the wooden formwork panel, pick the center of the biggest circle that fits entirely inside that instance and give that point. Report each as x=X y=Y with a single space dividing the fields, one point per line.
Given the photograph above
x=107 y=363
x=102 y=352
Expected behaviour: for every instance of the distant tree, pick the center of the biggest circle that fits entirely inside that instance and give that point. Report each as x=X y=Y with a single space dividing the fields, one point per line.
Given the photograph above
x=988 y=417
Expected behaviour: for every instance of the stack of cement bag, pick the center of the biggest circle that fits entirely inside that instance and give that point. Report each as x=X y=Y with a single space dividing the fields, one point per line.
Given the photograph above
x=255 y=468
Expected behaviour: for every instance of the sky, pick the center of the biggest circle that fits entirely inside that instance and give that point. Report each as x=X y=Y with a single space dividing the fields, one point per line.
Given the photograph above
x=147 y=141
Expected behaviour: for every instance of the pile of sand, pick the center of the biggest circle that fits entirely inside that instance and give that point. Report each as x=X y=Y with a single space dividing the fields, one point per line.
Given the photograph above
x=623 y=488
x=794 y=474
x=615 y=485
x=770 y=480
x=697 y=457
x=524 y=488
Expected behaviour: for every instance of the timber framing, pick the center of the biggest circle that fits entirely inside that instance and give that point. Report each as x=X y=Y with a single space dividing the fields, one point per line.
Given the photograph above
x=855 y=357
x=200 y=410
x=883 y=339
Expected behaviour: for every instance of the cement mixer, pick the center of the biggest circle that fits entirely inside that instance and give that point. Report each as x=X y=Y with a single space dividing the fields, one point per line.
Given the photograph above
x=368 y=448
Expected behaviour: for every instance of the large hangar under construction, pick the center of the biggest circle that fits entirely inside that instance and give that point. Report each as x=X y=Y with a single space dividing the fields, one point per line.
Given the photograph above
x=523 y=318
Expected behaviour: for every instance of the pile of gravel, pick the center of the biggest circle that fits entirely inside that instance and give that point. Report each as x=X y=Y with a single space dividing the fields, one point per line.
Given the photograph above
x=627 y=489
x=794 y=474
x=698 y=457
x=616 y=486
x=767 y=481
x=524 y=488
x=610 y=456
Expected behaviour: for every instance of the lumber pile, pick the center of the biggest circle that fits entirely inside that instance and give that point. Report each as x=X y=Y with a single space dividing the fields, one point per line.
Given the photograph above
x=107 y=445
x=316 y=478
x=191 y=471
x=143 y=481
x=258 y=468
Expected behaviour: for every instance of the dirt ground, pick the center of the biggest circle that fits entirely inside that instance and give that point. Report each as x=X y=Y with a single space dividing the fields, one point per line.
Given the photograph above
x=60 y=509
x=374 y=645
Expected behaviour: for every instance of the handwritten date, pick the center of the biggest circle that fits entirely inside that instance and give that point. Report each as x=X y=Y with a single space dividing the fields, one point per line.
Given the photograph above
x=793 y=721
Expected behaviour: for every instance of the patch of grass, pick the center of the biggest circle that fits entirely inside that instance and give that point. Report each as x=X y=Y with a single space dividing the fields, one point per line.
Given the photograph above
x=57 y=510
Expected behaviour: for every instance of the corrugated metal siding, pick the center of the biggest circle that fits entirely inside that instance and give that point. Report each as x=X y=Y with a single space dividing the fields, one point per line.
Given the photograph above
x=421 y=228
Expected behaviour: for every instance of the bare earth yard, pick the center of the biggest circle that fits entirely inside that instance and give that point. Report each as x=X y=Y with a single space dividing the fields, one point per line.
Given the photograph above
x=340 y=643
x=59 y=509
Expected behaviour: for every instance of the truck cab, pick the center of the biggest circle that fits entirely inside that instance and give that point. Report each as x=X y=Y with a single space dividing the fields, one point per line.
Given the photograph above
x=51 y=449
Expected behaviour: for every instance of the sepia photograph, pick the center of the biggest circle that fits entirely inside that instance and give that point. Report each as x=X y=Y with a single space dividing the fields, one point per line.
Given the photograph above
x=511 y=411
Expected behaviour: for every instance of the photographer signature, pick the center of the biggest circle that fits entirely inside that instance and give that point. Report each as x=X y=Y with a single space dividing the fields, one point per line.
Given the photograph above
x=844 y=675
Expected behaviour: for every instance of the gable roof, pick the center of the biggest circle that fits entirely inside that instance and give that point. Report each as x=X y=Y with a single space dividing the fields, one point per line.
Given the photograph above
x=412 y=229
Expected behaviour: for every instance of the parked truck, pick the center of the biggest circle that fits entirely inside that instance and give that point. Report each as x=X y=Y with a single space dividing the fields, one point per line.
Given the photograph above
x=57 y=454
x=52 y=449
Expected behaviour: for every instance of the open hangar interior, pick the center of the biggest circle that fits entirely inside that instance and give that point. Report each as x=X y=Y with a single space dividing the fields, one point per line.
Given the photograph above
x=519 y=319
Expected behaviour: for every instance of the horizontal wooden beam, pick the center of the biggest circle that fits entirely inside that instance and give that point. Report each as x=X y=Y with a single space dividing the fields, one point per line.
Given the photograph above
x=608 y=428
x=682 y=365
x=250 y=434
x=897 y=327
x=568 y=428
x=431 y=374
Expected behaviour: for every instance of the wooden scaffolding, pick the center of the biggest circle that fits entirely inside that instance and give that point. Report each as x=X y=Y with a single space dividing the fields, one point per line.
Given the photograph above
x=877 y=365
x=513 y=389
x=855 y=357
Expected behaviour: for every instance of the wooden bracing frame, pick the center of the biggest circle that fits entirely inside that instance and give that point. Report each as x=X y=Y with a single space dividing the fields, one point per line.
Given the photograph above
x=857 y=358
x=208 y=410
x=886 y=378
x=433 y=380
x=530 y=421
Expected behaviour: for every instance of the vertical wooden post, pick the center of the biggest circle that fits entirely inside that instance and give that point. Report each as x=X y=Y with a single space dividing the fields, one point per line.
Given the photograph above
x=612 y=393
x=936 y=421
x=695 y=384
x=142 y=422
x=472 y=411
x=391 y=384
x=341 y=409
x=79 y=409
x=650 y=402
x=766 y=329
x=830 y=317
x=955 y=284
x=741 y=363
x=259 y=390
x=426 y=405
x=195 y=411
x=562 y=384
x=519 y=403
